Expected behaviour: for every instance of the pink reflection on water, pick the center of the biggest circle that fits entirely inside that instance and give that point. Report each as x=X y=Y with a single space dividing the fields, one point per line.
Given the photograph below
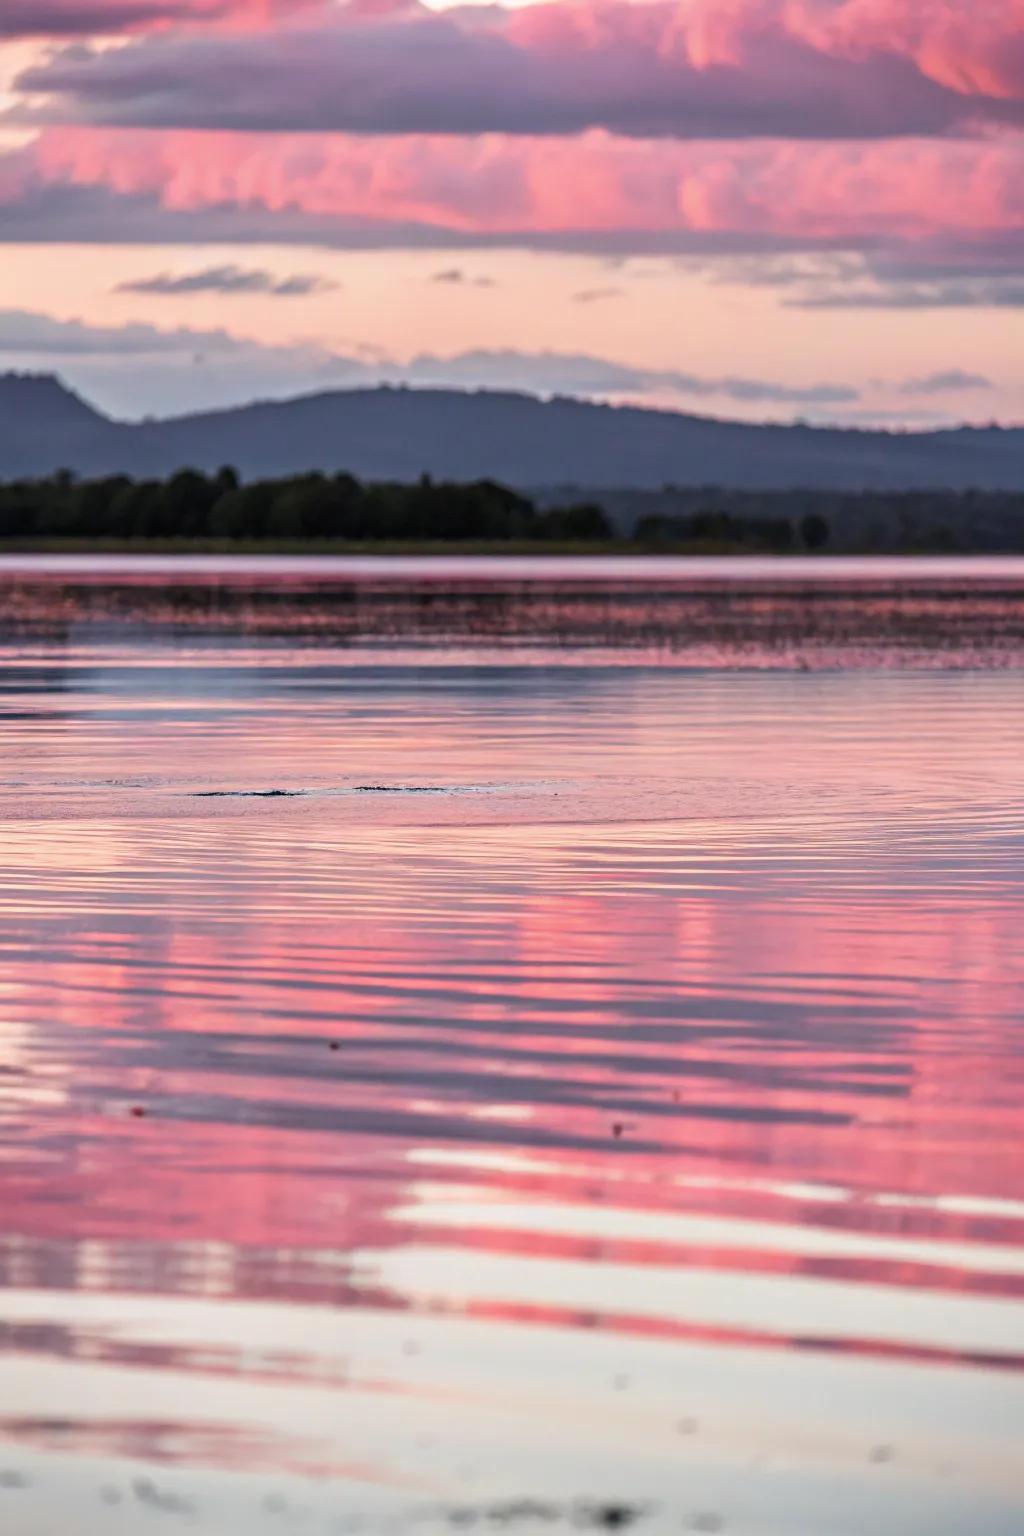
x=702 y=1032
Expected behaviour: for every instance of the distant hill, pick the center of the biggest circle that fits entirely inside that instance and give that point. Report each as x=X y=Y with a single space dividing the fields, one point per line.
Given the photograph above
x=45 y=426
x=399 y=434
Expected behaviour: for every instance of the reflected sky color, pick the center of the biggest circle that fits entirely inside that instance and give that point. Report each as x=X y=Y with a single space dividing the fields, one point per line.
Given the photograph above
x=596 y=1080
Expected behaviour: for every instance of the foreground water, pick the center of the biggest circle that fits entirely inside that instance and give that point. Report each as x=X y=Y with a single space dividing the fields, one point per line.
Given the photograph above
x=511 y=1054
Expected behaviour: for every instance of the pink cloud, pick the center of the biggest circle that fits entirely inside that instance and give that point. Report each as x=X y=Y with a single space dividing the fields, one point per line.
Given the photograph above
x=916 y=193
x=971 y=47
x=721 y=126
x=725 y=69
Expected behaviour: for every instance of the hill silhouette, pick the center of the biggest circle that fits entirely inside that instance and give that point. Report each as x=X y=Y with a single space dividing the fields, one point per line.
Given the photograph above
x=399 y=434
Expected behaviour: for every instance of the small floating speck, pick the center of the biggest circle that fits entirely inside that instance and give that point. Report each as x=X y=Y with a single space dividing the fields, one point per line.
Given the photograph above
x=609 y=1517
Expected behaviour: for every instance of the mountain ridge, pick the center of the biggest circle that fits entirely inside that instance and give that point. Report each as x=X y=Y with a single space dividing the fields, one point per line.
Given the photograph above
x=399 y=433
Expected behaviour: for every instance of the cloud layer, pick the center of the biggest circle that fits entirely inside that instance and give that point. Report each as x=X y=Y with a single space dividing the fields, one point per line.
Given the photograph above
x=54 y=19
x=73 y=18
x=991 y=292
x=918 y=205
x=804 y=69
x=950 y=381
x=607 y=126
x=852 y=155
x=26 y=334
x=229 y=280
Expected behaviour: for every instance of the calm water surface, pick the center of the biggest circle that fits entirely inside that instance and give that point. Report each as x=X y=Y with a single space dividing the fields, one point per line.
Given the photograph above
x=511 y=1052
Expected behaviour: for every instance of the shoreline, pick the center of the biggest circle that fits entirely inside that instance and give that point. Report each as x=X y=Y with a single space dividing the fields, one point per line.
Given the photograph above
x=604 y=549
x=454 y=567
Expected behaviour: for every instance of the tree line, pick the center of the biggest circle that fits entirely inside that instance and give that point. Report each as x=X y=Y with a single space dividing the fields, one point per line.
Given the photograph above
x=192 y=505
x=808 y=519
x=712 y=527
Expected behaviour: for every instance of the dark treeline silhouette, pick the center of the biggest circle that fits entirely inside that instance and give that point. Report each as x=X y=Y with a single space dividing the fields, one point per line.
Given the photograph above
x=717 y=527
x=192 y=505
x=864 y=521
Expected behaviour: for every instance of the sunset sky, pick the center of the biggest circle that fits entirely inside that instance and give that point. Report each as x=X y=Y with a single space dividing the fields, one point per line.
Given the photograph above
x=756 y=208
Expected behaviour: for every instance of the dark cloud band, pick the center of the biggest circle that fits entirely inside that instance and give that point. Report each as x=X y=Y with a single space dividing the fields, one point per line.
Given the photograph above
x=228 y=280
x=637 y=71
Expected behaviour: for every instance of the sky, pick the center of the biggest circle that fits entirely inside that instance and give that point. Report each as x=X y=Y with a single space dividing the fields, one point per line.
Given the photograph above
x=764 y=209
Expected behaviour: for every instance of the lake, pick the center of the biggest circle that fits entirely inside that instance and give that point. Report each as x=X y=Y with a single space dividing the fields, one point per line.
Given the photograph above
x=511 y=1046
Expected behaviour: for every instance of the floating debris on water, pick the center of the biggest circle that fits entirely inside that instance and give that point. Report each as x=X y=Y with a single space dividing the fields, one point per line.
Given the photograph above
x=147 y=1492
x=249 y=794
x=354 y=789
x=605 y=1515
x=406 y=789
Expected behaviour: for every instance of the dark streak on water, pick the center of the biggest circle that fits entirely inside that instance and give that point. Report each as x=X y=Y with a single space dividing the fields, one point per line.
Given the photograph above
x=357 y=789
